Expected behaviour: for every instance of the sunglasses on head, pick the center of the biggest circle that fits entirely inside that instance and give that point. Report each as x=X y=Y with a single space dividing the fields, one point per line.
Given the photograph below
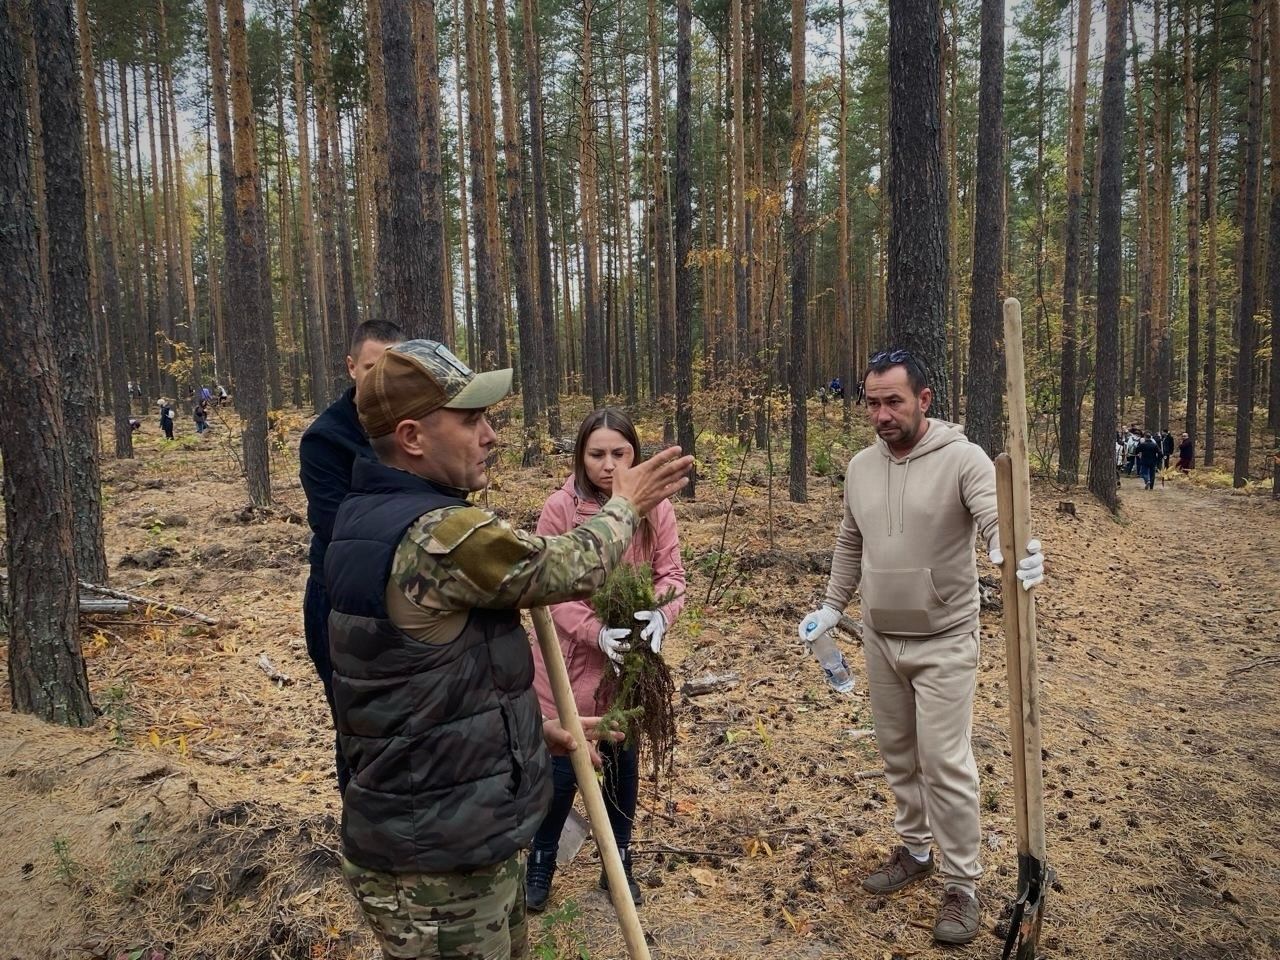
x=890 y=356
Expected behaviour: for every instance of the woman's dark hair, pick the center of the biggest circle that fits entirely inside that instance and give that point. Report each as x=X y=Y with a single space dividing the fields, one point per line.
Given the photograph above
x=605 y=418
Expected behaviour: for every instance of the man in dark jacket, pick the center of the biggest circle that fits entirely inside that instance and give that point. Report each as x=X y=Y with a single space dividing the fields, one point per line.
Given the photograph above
x=432 y=672
x=328 y=449
x=1166 y=446
x=1148 y=460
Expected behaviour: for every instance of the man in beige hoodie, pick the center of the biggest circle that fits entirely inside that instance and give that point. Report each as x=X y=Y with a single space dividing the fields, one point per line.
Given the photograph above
x=912 y=504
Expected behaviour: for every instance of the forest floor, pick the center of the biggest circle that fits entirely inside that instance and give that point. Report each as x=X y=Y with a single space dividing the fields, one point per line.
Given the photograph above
x=198 y=818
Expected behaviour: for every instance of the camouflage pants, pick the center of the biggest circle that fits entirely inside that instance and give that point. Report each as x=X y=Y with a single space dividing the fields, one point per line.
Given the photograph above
x=474 y=915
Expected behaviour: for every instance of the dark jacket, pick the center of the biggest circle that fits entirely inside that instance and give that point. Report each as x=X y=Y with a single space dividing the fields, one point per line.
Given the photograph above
x=328 y=449
x=1166 y=445
x=1148 y=452
x=449 y=770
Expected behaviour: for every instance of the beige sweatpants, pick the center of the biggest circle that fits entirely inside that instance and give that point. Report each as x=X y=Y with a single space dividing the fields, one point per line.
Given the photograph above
x=922 y=706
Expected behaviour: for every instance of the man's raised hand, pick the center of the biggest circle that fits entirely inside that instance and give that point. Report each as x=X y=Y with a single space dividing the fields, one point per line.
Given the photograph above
x=649 y=483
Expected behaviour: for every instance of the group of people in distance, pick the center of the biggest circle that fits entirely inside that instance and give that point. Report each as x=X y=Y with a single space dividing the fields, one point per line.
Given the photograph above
x=1141 y=453
x=450 y=757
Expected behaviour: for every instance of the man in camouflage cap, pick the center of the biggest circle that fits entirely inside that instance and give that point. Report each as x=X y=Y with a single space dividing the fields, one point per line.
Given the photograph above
x=432 y=674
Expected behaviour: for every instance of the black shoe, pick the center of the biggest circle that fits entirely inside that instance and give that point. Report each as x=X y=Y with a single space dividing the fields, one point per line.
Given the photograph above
x=537 y=879
x=636 y=895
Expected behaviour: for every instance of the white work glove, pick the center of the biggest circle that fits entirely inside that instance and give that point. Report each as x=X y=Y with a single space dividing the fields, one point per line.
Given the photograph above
x=656 y=629
x=1030 y=567
x=612 y=642
x=817 y=623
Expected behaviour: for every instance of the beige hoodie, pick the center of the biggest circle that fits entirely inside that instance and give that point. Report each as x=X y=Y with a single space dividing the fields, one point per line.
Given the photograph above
x=906 y=539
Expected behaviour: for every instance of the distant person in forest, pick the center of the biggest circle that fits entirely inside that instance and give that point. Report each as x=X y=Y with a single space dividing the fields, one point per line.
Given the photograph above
x=201 y=416
x=1166 y=446
x=1131 y=452
x=222 y=394
x=206 y=395
x=166 y=419
x=1119 y=458
x=1186 y=453
x=1148 y=459
x=329 y=448
x=837 y=388
x=913 y=502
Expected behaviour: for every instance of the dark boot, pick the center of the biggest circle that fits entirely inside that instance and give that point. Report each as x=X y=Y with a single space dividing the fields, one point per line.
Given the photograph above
x=636 y=895
x=537 y=880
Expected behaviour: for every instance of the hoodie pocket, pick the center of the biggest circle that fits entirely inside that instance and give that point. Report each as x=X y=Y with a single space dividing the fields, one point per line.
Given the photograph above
x=903 y=602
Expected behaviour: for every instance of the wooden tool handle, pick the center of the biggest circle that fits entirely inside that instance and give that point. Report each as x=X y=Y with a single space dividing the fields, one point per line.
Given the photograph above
x=619 y=891
x=1016 y=391
x=1010 y=588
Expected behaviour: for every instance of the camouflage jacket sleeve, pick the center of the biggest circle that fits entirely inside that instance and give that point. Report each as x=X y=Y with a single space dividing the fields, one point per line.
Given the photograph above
x=463 y=557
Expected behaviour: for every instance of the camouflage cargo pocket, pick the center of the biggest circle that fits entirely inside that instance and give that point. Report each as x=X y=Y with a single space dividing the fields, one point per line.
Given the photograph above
x=475 y=915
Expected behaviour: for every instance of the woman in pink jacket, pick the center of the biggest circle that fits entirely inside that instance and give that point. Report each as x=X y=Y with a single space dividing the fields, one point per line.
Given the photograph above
x=607 y=439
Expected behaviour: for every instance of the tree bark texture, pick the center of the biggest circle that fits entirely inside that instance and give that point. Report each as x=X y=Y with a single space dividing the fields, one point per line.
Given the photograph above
x=798 y=362
x=311 y=282
x=403 y=246
x=439 y=314
x=486 y=277
x=685 y=436
x=62 y=130
x=46 y=671
x=984 y=413
x=1245 y=324
x=251 y=314
x=541 y=220
x=1191 y=156
x=1068 y=397
x=1102 y=458
x=110 y=272
x=521 y=268
x=917 y=192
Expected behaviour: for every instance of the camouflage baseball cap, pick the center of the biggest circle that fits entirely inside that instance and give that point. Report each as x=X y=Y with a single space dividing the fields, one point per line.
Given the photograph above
x=415 y=377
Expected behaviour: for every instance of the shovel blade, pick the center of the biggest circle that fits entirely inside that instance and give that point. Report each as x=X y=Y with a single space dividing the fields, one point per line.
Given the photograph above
x=1023 y=940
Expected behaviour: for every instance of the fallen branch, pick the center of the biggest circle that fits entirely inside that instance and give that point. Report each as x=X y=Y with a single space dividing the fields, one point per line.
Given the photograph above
x=710 y=683
x=273 y=674
x=869 y=775
x=157 y=604
x=1260 y=662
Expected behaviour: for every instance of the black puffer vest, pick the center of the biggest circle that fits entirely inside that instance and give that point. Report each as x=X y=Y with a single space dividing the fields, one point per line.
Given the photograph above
x=449 y=770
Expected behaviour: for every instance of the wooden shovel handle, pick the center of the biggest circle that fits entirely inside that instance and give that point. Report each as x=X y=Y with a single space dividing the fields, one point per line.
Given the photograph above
x=1010 y=588
x=1016 y=391
x=619 y=891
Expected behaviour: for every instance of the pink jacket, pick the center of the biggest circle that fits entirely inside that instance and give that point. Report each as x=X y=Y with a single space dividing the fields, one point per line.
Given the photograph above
x=576 y=622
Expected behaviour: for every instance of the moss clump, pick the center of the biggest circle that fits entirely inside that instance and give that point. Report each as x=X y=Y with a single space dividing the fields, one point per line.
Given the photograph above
x=641 y=692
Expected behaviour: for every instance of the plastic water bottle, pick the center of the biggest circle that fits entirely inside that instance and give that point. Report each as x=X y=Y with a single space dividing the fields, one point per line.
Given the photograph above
x=832 y=661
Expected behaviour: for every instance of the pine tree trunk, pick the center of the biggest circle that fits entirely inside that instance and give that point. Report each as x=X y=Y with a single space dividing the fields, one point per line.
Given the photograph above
x=531 y=390
x=46 y=671
x=541 y=221
x=222 y=123
x=403 y=246
x=984 y=413
x=464 y=222
x=593 y=359
x=486 y=279
x=335 y=324
x=1102 y=462
x=439 y=316
x=67 y=283
x=741 y=349
x=665 y=321
x=685 y=436
x=917 y=317
x=798 y=365
x=1249 y=243
x=1191 y=158
x=1068 y=398
x=1146 y=270
x=115 y=319
x=378 y=160
x=251 y=315
x=317 y=364
x=844 y=297
x=1211 y=213
x=1273 y=249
